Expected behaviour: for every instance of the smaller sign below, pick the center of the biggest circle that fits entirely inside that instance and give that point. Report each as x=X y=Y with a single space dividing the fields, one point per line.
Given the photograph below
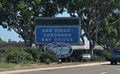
x=62 y=50
x=49 y=34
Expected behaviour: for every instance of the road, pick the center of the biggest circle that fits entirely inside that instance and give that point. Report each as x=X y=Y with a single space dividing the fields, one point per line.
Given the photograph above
x=98 y=69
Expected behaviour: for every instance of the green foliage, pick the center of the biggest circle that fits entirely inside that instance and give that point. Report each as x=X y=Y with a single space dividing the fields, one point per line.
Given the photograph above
x=26 y=55
x=20 y=15
x=76 y=55
x=35 y=55
x=18 y=55
x=91 y=14
x=99 y=55
x=0 y=40
x=35 y=52
x=98 y=52
x=4 y=65
x=47 y=61
x=22 y=5
x=106 y=53
x=109 y=34
x=0 y=5
x=48 y=57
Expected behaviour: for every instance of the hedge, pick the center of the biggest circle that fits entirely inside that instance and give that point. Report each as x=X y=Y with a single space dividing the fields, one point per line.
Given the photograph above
x=99 y=55
x=25 y=55
x=48 y=57
x=36 y=55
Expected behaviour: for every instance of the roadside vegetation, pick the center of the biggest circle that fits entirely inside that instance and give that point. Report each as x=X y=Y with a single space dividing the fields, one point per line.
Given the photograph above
x=11 y=57
x=18 y=55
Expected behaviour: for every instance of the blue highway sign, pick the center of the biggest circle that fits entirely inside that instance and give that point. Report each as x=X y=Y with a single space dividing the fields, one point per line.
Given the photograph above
x=49 y=34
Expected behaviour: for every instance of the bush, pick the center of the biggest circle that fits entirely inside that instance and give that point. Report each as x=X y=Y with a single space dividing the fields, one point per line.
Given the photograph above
x=47 y=61
x=2 y=55
x=106 y=53
x=18 y=55
x=98 y=52
x=25 y=55
x=35 y=52
x=48 y=57
x=76 y=56
x=99 y=55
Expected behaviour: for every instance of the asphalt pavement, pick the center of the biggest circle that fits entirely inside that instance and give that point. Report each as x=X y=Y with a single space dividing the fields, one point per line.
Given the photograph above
x=91 y=68
x=99 y=69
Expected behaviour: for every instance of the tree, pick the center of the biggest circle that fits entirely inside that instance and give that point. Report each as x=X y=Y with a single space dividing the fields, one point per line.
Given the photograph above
x=109 y=33
x=19 y=15
x=0 y=40
x=91 y=14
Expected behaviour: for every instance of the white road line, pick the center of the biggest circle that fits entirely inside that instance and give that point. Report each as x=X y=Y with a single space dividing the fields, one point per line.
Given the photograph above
x=118 y=69
x=103 y=72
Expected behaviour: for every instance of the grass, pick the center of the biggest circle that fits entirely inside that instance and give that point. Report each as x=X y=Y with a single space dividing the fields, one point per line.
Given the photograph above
x=6 y=65
x=10 y=66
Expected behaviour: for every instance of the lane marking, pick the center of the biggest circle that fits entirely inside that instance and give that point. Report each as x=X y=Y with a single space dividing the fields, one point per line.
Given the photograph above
x=118 y=69
x=103 y=72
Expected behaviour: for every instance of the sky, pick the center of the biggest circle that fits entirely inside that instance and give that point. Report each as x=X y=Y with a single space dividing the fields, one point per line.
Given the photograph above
x=5 y=35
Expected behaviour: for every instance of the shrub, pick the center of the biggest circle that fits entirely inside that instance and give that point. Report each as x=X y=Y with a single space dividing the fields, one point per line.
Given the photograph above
x=106 y=53
x=35 y=52
x=99 y=55
x=18 y=55
x=98 y=52
x=25 y=55
x=2 y=55
x=47 y=61
x=76 y=56
x=48 y=57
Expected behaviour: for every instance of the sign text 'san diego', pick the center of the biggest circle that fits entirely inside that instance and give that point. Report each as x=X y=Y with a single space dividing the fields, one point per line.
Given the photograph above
x=51 y=32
